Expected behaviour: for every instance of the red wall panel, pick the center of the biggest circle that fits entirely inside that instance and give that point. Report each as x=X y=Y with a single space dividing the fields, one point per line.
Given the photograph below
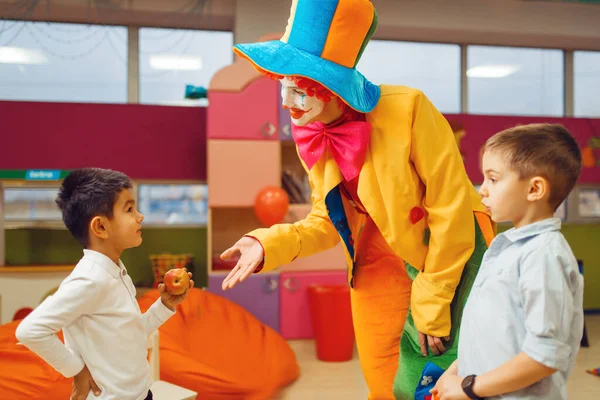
x=478 y=128
x=144 y=141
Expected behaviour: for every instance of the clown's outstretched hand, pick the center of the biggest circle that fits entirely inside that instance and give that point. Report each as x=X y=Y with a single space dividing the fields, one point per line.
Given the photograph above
x=251 y=256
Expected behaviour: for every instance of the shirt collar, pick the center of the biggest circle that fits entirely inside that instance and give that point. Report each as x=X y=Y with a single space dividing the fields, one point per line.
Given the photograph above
x=546 y=225
x=105 y=262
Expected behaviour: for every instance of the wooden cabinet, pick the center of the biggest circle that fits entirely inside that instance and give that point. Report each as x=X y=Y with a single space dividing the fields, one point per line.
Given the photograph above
x=248 y=114
x=226 y=226
x=295 y=320
x=259 y=295
x=27 y=286
x=332 y=259
x=239 y=169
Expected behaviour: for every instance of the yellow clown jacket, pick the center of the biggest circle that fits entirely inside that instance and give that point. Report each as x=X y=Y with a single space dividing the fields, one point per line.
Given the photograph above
x=412 y=161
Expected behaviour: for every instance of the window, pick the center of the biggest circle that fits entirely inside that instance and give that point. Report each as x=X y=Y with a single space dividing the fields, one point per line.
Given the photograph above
x=31 y=204
x=42 y=61
x=173 y=204
x=515 y=81
x=171 y=59
x=586 y=66
x=589 y=203
x=429 y=67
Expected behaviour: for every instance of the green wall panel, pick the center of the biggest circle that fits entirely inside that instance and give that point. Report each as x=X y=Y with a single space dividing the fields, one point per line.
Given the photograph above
x=47 y=246
x=38 y=246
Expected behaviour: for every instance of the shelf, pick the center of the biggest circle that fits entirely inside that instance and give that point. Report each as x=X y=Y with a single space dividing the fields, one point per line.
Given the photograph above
x=36 y=268
x=294 y=171
x=227 y=226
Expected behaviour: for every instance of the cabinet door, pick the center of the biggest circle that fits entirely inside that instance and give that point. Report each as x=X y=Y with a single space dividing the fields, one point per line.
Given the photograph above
x=259 y=295
x=249 y=114
x=295 y=320
x=239 y=169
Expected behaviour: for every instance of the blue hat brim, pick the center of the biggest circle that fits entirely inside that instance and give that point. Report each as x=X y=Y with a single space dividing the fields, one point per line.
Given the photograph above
x=281 y=58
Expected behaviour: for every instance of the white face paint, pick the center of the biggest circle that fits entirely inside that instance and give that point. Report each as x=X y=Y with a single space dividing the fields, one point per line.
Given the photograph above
x=303 y=108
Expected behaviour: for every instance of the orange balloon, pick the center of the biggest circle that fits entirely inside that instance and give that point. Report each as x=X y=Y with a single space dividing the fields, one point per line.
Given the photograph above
x=271 y=205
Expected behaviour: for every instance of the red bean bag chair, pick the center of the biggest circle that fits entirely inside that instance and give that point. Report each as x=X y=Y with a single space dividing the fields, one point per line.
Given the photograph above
x=218 y=349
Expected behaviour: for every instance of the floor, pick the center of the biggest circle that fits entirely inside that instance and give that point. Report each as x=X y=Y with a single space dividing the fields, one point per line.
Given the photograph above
x=332 y=381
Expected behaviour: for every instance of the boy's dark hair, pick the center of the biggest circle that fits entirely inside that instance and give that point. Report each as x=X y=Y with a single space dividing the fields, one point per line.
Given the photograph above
x=546 y=150
x=86 y=193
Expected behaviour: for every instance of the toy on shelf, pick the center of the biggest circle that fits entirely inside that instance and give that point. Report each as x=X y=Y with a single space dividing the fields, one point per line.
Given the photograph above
x=588 y=157
x=195 y=92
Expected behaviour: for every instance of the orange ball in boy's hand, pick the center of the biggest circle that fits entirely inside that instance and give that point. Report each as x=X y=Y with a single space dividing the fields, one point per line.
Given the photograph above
x=176 y=281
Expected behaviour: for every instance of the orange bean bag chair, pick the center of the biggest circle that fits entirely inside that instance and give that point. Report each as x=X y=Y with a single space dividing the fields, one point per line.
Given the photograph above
x=218 y=349
x=212 y=346
x=24 y=375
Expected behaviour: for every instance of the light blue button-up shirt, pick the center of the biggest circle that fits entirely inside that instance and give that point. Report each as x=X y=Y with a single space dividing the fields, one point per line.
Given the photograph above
x=527 y=297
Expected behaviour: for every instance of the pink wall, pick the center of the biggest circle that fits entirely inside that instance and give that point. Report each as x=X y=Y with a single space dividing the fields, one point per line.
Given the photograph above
x=164 y=142
x=145 y=142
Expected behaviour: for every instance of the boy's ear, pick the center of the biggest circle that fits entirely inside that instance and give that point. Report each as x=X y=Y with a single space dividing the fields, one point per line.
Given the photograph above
x=99 y=227
x=538 y=188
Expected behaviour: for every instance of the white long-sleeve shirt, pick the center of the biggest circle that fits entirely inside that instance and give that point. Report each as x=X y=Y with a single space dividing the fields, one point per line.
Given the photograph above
x=103 y=328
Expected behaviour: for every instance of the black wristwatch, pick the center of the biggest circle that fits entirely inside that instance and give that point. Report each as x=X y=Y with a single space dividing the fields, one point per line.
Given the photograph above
x=467 y=387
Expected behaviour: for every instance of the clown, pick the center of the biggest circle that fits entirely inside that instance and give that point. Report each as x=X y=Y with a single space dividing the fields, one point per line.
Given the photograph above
x=387 y=180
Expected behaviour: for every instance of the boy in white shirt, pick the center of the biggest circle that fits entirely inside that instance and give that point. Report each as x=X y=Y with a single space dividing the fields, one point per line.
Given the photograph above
x=523 y=322
x=105 y=332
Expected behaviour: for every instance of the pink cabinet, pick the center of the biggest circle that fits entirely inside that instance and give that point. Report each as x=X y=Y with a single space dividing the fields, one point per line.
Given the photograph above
x=239 y=169
x=252 y=113
x=285 y=122
x=259 y=295
x=295 y=321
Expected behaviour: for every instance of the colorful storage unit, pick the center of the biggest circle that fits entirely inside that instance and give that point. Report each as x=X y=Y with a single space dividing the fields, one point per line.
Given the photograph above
x=259 y=295
x=249 y=114
x=239 y=169
x=295 y=319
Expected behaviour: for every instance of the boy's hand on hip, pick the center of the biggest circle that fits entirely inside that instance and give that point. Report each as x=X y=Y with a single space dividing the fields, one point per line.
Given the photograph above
x=171 y=301
x=435 y=343
x=82 y=384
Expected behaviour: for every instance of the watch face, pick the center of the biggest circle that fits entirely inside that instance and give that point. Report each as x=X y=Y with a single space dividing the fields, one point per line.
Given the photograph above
x=468 y=381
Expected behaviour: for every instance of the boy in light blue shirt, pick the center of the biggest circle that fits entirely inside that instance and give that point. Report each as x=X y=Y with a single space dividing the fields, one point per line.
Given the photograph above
x=523 y=322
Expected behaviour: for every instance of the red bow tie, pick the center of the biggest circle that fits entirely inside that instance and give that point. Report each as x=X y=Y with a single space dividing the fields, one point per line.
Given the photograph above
x=347 y=143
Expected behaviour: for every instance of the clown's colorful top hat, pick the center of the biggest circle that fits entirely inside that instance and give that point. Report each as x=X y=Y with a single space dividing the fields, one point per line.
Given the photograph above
x=323 y=41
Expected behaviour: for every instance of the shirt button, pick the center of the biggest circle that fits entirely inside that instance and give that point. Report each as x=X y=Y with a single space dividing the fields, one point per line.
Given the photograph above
x=123 y=272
